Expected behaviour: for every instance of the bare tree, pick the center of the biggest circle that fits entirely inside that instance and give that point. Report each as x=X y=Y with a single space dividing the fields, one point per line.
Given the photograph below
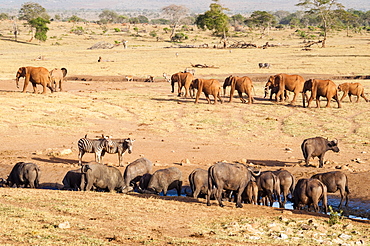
x=175 y=12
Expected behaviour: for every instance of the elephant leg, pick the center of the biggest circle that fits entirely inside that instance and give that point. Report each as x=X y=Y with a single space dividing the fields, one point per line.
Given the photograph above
x=207 y=97
x=25 y=85
x=241 y=97
x=294 y=98
x=344 y=95
x=60 y=85
x=220 y=98
x=44 y=88
x=328 y=102
x=337 y=100
x=34 y=88
x=317 y=101
x=179 y=88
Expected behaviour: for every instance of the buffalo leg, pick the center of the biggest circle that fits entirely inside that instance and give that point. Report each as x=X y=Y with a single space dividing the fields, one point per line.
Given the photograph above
x=219 y=196
x=321 y=161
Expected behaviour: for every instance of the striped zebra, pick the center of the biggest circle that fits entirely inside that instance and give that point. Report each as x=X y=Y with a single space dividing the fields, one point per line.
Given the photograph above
x=119 y=146
x=86 y=145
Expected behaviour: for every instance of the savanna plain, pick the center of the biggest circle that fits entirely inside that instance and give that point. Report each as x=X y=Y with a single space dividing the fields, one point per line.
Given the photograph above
x=173 y=131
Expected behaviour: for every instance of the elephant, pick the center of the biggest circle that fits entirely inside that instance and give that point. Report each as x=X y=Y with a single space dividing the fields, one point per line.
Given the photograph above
x=57 y=76
x=37 y=75
x=321 y=88
x=209 y=87
x=273 y=90
x=356 y=89
x=242 y=85
x=183 y=80
x=293 y=83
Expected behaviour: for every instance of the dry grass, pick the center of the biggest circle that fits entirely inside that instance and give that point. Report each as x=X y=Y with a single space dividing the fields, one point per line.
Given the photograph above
x=150 y=112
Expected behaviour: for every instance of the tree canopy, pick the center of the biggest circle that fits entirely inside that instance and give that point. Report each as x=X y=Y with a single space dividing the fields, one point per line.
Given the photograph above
x=31 y=10
x=324 y=9
x=175 y=13
x=214 y=19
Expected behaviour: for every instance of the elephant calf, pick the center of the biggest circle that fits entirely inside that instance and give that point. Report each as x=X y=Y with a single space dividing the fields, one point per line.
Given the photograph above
x=208 y=87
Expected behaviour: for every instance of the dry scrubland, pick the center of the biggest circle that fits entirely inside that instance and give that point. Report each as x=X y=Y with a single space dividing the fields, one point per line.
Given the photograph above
x=168 y=130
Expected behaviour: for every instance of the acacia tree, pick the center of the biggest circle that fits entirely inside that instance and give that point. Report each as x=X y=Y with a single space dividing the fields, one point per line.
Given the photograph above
x=262 y=20
x=175 y=12
x=324 y=9
x=41 y=29
x=214 y=19
x=36 y=18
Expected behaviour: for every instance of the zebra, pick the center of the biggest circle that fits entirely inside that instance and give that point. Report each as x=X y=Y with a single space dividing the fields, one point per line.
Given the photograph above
x=86 y=145
x=119 y=146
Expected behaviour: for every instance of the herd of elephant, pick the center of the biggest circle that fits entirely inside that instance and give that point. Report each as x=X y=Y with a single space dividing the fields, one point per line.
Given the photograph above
x=41 y=76
x=278 y=84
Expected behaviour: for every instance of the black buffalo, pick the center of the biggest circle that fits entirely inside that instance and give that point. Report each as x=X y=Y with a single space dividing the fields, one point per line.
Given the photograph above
x=250 y=194
x=72 y=180
x=310 y=191
x=144 y=182
x=27 y=174
x=287 y=184
x=334 y=181
x=228 y=176
x=318 y=146
x=165 y=180
x=101 y=176
x=134 y=171
x=268 y=187
x=198 y=180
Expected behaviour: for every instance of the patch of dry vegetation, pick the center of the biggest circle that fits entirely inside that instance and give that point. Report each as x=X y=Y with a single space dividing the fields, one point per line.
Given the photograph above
x=50 y=217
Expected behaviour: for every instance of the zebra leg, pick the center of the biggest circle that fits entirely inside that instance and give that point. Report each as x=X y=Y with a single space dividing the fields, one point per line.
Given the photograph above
x=80 y=154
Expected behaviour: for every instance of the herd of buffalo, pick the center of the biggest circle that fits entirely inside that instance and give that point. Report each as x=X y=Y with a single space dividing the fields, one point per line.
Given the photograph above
x=221 y=181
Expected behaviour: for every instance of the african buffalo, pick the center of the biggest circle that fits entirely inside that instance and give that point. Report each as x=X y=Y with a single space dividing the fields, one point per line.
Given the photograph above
x=144 y=182
x=318 y=146
x=321 y=88
x=268 y=185
x=134 y=171
x=310 y=191
x=334 y=181
x=250 y=194
x=287 y=184
x=165 y=180
x=27 y=174
x=72 y=180
x=101 y=176
x=228 y=176
x=198 y=180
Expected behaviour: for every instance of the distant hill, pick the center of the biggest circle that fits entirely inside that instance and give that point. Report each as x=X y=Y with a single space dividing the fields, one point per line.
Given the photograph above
x=235 y=6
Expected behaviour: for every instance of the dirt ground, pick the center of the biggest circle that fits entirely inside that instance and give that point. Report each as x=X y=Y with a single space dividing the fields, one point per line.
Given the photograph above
x=165 y=150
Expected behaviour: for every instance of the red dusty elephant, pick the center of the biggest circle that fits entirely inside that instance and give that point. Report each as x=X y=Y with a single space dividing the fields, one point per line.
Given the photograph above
x=57 y=76
x=242 y=85
x=293 y=83
x=209 y=87
x=352 y=89
x=35 y=75
x=321 y=88
x=183 y=80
